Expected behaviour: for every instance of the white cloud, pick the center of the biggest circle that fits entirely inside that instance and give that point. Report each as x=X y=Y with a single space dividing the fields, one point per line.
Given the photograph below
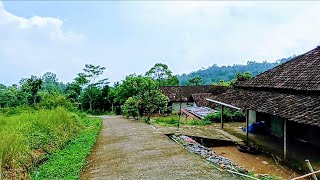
x=130 y=37
x=53 y=26
x=201 y=33
x=36 y=45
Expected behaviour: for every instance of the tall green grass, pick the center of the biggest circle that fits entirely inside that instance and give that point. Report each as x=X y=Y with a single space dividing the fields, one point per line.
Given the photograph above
x=68 y=162
x=27 y=135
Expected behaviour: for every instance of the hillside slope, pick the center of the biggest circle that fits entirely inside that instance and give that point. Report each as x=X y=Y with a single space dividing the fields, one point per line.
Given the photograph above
x=216 y=73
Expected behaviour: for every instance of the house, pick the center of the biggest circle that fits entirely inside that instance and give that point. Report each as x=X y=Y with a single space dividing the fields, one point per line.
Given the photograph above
x=190 y=95
x=286 y=98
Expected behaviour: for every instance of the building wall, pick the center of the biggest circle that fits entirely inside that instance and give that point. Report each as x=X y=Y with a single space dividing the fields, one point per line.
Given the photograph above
x=277 y=126
x=252 y=116
x=310 y=134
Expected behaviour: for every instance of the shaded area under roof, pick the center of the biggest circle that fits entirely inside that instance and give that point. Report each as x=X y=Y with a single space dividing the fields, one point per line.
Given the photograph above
x=301 y=108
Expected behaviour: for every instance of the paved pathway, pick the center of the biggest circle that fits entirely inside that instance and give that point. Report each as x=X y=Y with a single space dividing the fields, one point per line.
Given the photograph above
x=128 y=149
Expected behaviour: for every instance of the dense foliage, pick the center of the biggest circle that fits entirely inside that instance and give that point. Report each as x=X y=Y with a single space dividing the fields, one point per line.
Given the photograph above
x=27 y=135
x=228 y=116
x=215 y=73
x=162 y=75
x=139 y=95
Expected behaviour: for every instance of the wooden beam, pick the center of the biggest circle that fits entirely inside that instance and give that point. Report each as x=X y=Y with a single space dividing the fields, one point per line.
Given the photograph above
x=247 y=124
x=285 y=138
x=306 y=175
x=311 y=169
x=223 y=104
x=221 y=116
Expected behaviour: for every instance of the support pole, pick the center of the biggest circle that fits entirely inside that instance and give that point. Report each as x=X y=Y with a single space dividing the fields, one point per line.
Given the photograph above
x=178 y=130
x=285 y=138
x=311 y=169
x=222 y=116
x=247 y=124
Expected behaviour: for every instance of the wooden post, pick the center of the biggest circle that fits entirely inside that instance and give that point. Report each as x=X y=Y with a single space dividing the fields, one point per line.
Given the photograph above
x=285 y=138
x=247 y=124
x=311 y=169
x=221 y=116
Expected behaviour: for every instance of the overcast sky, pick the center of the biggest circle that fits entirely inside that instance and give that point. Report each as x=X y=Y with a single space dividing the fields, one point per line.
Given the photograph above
x=128 y=36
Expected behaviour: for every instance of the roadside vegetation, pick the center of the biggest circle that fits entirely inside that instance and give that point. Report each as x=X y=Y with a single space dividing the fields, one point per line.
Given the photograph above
x=27 y=136
x=44 y=130
x=68 y=162
x=173 y=120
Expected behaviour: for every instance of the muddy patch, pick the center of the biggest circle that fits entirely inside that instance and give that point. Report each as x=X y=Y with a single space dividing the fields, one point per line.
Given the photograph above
x=258 y=163
x=227 y=156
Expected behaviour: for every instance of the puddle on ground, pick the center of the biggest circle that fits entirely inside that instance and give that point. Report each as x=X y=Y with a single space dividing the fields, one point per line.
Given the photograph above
x=258 y=163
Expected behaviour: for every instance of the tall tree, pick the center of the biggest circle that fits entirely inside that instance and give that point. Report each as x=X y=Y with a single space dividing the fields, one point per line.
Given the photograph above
x=52 y=84
x=32 y=85
x=89 y=81
x=161 y=74
x=197 y=80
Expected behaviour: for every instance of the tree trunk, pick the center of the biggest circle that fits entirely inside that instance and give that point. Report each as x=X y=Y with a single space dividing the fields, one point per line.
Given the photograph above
x=34 y=100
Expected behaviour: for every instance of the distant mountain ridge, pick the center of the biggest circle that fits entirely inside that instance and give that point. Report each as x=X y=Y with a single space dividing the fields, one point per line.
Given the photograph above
x=216 y=73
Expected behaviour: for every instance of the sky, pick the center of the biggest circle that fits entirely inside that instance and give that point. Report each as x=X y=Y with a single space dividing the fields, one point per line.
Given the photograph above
x=131 y=36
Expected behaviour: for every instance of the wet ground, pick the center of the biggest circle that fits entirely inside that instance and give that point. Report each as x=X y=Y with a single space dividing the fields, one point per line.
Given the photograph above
x=258 y=163
x=128 y=149
x=209 y=131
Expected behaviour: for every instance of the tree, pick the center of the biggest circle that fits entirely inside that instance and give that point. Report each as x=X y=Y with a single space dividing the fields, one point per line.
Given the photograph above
x=241 y=77
x=88 y=82
x=144 y=91
x=194 y=81
x=51 y=83
x=130 y=107
x=152 y=101
x=223 y=83
x=162 y=75
x=32 y=85
x=12 y=96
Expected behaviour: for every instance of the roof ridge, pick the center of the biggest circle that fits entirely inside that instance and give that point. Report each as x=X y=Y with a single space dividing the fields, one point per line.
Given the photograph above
x=262 y=80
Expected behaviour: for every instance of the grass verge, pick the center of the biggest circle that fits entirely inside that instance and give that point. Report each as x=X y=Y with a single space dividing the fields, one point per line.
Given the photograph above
x=26 y=136
x=69 y=162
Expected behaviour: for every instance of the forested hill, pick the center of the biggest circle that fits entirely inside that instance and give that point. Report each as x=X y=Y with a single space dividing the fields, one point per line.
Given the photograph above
x=216 y=73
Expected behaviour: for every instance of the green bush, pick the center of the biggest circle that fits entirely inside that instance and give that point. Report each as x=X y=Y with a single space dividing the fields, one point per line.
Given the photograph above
x=24 y=134
x=213 y=117
x=51 y=100
x=228 y=116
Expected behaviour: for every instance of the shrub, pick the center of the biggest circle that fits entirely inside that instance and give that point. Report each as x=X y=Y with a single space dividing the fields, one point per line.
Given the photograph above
x=51 y=100
x=228 y=116
x=213 y=117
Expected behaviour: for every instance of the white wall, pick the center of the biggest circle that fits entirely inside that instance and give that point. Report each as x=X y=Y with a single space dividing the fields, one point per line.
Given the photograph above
x=252 y=116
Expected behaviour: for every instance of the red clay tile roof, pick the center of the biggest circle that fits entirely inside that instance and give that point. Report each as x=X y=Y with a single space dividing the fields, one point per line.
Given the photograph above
x=290 y=90
x=301 y=108
x=200 y=99
x=301 y=73
x=175 y=93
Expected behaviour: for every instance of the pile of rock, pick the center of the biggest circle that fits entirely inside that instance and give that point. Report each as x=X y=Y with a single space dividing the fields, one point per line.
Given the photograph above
x=192 y=146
